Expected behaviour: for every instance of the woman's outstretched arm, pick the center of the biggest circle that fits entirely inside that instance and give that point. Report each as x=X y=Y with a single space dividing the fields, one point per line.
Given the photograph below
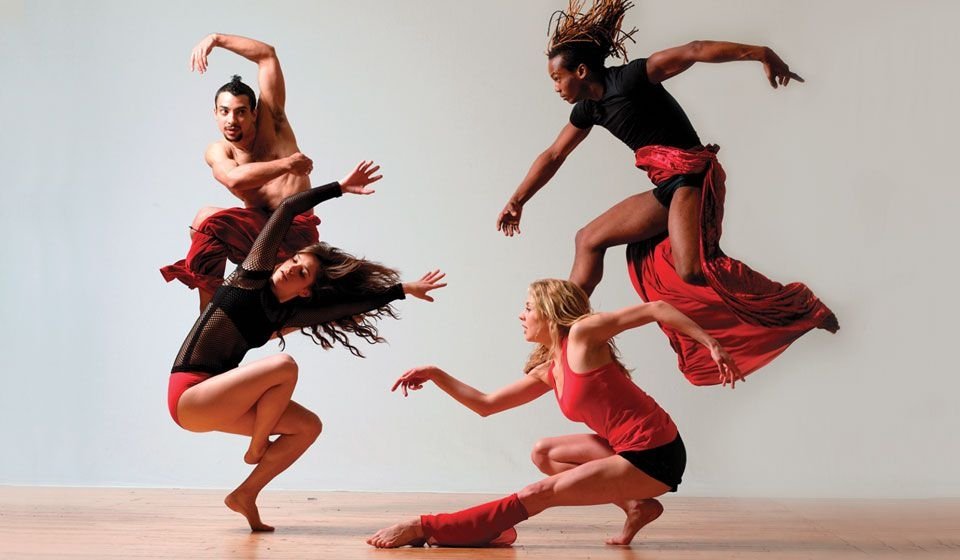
x=597 y=329
x=513 y=395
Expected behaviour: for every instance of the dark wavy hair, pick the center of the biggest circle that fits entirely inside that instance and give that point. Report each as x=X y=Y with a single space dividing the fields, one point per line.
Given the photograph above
x=590 y=37
x=341 y=274
x=236 y=87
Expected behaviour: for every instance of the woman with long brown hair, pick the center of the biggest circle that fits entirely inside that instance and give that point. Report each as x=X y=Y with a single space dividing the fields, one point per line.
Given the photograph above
x=635 y=454
x=320 y=288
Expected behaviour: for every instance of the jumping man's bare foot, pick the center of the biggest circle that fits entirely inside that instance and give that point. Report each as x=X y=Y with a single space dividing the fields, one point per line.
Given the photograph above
x=402 y=534
x=639 y=514
x=246 y=506
x=255 y=451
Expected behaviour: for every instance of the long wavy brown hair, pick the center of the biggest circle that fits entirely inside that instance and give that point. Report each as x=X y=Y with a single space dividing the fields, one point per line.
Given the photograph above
x=342 y=274
x=589 y=37
x=561 y=303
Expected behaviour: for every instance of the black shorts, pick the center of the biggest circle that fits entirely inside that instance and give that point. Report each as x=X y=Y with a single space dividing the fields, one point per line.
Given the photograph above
x=664 y=191
x=665 y=463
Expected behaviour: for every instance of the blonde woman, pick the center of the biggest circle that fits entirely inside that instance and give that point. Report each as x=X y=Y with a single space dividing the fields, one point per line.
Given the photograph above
x=635 y=454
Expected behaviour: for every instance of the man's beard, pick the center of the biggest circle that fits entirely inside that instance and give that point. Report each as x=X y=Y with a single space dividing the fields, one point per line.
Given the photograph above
x=238 y=136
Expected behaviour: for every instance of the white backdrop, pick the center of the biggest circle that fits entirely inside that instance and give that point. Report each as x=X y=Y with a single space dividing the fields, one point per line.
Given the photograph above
x=845 y=182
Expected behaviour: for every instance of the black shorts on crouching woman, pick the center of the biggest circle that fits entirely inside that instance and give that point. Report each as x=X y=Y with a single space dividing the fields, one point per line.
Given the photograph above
x=665 y=463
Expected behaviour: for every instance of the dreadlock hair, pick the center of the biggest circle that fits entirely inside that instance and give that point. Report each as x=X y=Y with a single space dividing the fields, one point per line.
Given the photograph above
x=589 y=38
x=236 y=87
x=561 y=303
x=341 y=275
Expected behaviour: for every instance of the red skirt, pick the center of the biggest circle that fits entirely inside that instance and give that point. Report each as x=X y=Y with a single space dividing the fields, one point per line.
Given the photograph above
x=229 y=234
x=752 y=317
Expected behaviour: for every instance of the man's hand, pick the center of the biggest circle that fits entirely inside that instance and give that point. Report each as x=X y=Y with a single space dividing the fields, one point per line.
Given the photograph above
x=198 y=56
x=777 y=70
x=426 y=284
x=509 y=220
x=729 y=372
x=299 y=164
x=362 y=175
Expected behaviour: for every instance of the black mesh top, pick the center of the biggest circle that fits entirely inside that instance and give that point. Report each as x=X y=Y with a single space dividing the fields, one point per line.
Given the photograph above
x=636 y=111
x=244 y=312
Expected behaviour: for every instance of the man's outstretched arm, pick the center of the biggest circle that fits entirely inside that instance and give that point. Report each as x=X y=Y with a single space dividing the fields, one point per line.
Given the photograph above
x=668 y=63
x=272 y=90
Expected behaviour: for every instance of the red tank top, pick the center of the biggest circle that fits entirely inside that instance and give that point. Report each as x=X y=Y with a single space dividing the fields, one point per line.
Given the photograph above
x=611 y=405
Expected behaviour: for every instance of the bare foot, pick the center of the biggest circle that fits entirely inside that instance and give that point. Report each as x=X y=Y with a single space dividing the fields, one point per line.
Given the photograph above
x=401 y=534
x=639 y=514
x=255 y=452
x=246 y=506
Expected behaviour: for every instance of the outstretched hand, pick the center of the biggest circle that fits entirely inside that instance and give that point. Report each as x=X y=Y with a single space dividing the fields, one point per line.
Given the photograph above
x=413 y=379
x=198 y=56
x=777 y=70
x=729 y=372
x=362 y=175
x=509 y=219
x=426 y=284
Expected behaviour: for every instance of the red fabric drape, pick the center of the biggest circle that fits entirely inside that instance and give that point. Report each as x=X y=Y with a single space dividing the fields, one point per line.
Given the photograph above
x=754 y=318
x=229 y=235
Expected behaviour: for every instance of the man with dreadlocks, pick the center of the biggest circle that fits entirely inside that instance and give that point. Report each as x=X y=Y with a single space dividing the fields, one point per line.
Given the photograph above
x=258 y=161
x=754 y=317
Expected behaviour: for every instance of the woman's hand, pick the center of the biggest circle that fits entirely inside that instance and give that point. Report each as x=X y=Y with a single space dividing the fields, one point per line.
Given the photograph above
x=729 y=372
x=362 y=175
x=427 y=283
x=414 y=379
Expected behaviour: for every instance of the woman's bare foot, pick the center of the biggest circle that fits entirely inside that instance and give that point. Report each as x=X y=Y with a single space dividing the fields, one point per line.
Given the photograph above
x=401 y=534
x=255 y=452
x=246 y=506
x=639 y=514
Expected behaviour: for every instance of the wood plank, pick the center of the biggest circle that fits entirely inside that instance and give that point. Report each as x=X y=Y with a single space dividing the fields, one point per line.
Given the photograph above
x=113 y=523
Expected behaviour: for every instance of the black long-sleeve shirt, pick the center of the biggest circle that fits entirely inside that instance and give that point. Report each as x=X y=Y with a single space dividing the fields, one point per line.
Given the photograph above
x=244 y=312
x=639 y=113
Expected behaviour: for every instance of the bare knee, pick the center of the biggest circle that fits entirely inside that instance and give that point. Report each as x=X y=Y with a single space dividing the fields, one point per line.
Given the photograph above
x=285 y=368
x=587 y=241
x=311 y=426
x=540 y=455
x=203 y=214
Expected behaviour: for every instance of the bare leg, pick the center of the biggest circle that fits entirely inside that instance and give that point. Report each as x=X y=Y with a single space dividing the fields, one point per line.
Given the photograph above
x=559 y=454
x=603 y=481
x=253 y=400
x=636 y=218
x=205 y=298
x=298 y=429
x=684 y=227
x=555 y=455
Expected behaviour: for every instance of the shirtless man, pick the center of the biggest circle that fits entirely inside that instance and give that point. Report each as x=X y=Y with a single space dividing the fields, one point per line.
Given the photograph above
x=258 y=160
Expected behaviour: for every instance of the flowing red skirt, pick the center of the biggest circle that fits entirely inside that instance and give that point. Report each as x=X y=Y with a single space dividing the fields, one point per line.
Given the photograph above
x=752 y=317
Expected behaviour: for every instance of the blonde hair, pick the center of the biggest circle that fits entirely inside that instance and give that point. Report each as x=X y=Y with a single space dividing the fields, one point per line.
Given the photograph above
x=561 y=303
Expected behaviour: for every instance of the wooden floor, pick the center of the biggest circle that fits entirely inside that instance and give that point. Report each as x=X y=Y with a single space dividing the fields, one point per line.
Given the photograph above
x=66 y=523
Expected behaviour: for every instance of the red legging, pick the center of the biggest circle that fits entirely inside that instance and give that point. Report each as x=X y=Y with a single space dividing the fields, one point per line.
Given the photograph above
x=476 y=526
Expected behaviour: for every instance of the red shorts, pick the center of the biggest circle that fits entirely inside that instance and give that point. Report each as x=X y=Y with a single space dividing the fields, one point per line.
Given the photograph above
x=180 y=382
x=229 y=234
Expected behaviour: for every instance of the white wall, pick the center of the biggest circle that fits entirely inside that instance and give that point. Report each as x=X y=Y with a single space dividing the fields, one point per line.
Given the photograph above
x=847 y=182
